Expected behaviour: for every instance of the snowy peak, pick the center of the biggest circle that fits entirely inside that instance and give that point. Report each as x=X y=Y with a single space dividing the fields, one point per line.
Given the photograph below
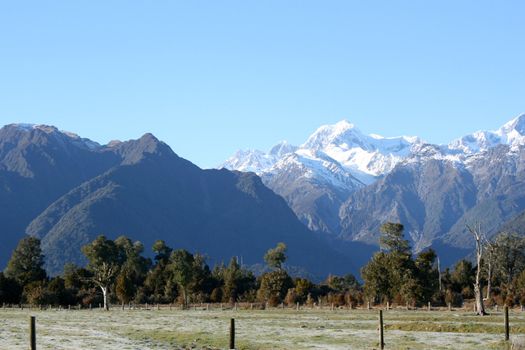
x=511 y=133
x=517 y=124
x=249 y=160
x=342 y=132
x=363 y=157
x=368 y=157
x=282 y=148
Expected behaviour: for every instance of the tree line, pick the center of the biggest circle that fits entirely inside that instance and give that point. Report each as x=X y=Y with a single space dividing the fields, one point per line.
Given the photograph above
x=118 y=272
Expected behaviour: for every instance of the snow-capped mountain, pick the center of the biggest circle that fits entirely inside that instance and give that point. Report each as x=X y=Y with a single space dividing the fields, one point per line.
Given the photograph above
x=511 y=133
x=364 y=157
x=316 y=177
x=368 y=157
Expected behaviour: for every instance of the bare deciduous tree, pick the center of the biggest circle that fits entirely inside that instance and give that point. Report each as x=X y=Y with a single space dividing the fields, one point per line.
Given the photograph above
x=489 y=258
x=479 y=237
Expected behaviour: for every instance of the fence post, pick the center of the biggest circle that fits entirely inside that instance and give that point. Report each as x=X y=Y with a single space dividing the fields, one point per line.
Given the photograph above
x=381 y=334
x=368 y=305
x=449 y=306
x=428 y=308
x=32 y=332
x=507 y=328
x=232 y=334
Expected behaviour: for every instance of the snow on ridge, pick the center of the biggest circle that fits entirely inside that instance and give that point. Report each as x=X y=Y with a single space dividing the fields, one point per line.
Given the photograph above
x=52 y=130
x=511 y=133
x=362 y=157
x=367 y=157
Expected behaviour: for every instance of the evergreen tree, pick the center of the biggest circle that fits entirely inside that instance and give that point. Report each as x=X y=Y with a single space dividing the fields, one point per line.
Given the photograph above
x=181 y=266
x=26 y=263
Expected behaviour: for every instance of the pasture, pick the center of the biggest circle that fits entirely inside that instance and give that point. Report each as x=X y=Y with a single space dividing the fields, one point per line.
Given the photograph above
x=148 y=329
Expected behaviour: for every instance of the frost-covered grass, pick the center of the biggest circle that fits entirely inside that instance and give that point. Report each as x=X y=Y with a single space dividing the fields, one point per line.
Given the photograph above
x=262 y=329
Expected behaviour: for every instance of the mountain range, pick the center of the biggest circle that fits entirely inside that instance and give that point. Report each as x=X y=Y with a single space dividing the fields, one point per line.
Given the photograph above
x=326 y=198
x=345 y=184
x=67 y=190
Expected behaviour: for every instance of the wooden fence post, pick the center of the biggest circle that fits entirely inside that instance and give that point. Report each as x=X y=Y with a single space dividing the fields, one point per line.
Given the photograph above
x=32 y=332
x=428 y=308
x=507 y=328
x=232 y=334
x=381 y=334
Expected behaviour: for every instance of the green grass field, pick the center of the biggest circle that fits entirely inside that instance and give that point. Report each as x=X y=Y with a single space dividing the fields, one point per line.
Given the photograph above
x=264 y=329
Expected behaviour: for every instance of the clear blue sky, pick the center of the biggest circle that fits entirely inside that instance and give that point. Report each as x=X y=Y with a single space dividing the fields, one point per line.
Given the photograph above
x=209 y=77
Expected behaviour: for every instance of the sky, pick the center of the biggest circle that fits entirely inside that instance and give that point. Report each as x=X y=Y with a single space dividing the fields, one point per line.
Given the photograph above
x=211 y=77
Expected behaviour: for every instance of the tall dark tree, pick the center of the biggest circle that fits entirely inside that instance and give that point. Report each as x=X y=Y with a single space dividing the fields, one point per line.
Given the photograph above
x=133 y=268
x=27 y=261
x=509 y=256
x=462 y=278
x=181 y=266
x=391 y=272
x=232 y=275
x=427 y=274
x=392 y=239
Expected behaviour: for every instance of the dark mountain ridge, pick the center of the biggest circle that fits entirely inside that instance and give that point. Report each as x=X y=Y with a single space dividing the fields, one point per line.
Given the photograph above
x=142 y=189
